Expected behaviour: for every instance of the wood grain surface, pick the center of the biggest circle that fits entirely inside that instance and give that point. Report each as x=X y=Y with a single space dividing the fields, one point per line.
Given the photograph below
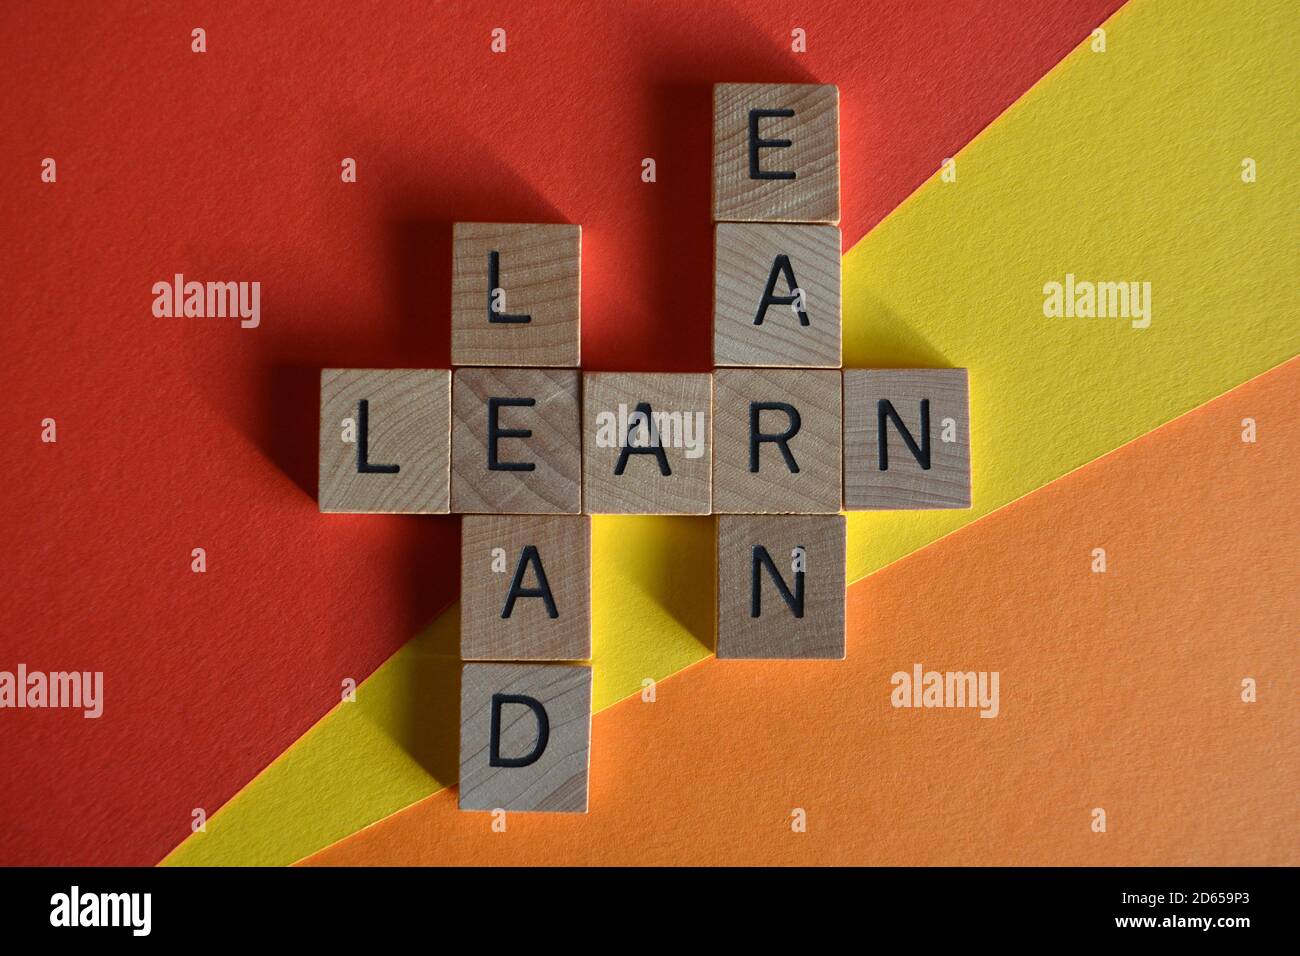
x=557 y=780
x=905 y=484
x=643 y=488
x=743 y=398
x=553 y=449
x=408 y=419
x=493 y=550
x=539 y=271
x=813 y=156
x=775 y=632
x=746 y=257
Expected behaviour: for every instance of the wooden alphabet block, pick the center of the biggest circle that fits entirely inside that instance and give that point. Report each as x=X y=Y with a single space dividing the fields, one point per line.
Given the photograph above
x=646 y=438
x=776 y=295
x=525 y=588
x=776 y=441
x=906 y=439
x=525 y=737
x=385 y=442
x=516 y=441
x=515 y=294
x=781 y=587
x=776 y=152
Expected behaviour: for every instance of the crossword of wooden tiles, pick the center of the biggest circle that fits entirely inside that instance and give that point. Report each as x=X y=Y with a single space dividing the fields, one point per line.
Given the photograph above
x=777 y=441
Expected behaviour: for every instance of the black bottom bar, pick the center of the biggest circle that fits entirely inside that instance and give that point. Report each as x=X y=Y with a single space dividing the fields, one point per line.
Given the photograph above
x=442 y=905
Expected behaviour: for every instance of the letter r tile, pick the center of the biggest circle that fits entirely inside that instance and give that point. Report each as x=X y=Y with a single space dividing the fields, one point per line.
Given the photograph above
x=525 y=737
x=776 y=441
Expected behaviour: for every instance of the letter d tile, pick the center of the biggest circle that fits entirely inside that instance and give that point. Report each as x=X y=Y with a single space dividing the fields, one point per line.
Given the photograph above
x=525 y=737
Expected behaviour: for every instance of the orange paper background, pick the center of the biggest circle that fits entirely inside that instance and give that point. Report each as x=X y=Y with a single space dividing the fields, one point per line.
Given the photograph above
x=1119 y=690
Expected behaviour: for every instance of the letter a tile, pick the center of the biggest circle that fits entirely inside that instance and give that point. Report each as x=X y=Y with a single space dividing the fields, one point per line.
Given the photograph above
x=525 y=588
x=776 y=295
x=646 y=443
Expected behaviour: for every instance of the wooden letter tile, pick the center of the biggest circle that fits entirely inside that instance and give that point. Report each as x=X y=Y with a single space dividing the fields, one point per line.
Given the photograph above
x=761 y=416
x=646 y=438
x=781 y=587
x=906 y=439
x=525 y=588
x=515 y=294
x=385 y=442
x=525 y=737
x=516 y=441
x=776 y=152
x=758 y=316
